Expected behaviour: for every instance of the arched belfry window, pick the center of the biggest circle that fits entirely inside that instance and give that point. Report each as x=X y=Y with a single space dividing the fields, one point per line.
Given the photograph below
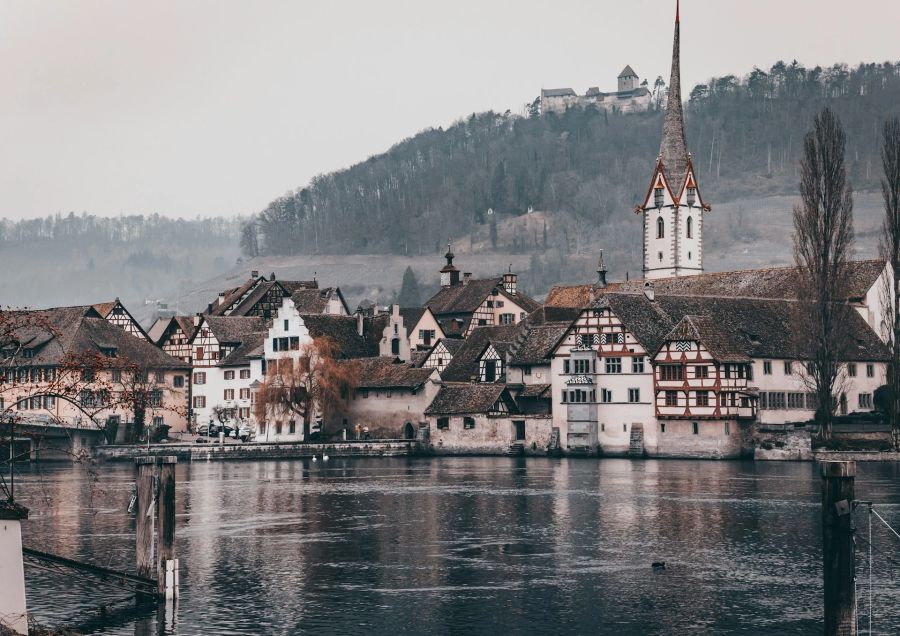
x=690 y=227
x=660 y=228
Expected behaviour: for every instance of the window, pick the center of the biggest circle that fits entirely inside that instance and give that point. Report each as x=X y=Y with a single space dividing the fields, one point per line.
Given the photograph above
x=671 y=398
x=287 y=325
x=156 y=398
x=671 y=372
x=695 y=427
x=566 y=366
x=178 y=381
x=526 y=370
x=245 y=394
x=865 y=401
x=468 y=423
x=482 y=322
x=229 y=375
x=767 y=367
x=788 y=367
x=199 y=353
x=812 y=401
x=605 y=395
x=565 y=396
x=49 y=402
x=777 y=400
x=702 y=398
x=395 y=346
x=199 y=401
x=160 y=377
x=498 y=304
x=634 y=395
x=490 y=371
x=158 y=421
x=200 y=377
x=614 y=365
x=292 y=425
x=295 y=343
x=278 y=428
x=660 y=228
x=582 y=366
x=27 y=353
x=229 y=394
x=701 y=371
x=662 y=427
x=637 y=365
x=365 y=394
x=87 y=375
x=851 y=369
x=245 y=374
x=795 y=400
x=728 y=428
x=490 y=304
x=507 y=319
x=870 y=370
x=244 y=413
x=689 y=228
x=443 y=423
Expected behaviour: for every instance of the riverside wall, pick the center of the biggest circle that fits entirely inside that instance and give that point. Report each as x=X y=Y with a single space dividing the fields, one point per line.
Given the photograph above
x=261 y=451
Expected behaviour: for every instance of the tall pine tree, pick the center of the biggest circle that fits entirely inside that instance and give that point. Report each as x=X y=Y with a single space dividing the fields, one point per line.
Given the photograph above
x=410 y=296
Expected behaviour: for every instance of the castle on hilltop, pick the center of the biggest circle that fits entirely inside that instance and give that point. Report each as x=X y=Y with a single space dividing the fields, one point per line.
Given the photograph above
x=632 y=95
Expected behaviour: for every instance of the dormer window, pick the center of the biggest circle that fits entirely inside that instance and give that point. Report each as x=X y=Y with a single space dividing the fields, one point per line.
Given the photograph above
x=109 y=352
x=691 y=196
x=658 y=198
x=28 y=353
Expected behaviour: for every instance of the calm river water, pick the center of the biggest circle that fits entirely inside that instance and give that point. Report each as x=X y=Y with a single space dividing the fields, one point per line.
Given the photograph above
x=464 y=546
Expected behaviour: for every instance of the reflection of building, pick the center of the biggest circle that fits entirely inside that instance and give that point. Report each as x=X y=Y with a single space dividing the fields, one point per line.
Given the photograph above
x=632 y=95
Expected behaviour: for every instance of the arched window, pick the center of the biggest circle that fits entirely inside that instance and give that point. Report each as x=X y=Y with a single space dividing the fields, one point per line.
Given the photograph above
x=660 y=228
x=690 y=227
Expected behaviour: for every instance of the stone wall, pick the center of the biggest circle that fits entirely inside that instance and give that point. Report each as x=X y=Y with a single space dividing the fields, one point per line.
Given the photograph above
x=286 y=450
x=490 y=435
x=781 y=443
x=714 y=439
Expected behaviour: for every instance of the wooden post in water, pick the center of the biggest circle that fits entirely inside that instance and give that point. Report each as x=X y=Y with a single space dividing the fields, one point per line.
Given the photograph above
x=166 y=564
x=145 y=513
x=155 y=515
x=838 y=550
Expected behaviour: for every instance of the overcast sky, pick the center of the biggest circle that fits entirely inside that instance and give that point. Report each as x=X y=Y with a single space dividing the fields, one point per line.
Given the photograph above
x=216 y=107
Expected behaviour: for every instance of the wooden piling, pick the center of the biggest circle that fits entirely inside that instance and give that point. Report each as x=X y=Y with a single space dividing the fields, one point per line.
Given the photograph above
x=165 y=539
x=145 y=514
x=155 y=508
x=838 y=550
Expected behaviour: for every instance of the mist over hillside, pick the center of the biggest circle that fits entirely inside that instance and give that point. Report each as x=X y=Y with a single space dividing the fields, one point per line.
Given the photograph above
x=560 y=188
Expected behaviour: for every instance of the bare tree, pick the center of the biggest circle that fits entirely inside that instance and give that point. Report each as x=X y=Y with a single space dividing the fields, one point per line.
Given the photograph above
x=313 y=384
x=823 y=241
x=890 y=251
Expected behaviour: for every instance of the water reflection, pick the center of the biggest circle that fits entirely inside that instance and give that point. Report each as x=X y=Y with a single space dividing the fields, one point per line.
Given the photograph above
x=475 y=545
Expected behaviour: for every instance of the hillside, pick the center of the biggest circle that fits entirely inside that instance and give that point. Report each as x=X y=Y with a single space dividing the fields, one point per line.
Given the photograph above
x=587 y=166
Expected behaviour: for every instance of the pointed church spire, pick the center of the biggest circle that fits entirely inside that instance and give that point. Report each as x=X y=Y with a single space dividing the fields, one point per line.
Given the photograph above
x=673 y=148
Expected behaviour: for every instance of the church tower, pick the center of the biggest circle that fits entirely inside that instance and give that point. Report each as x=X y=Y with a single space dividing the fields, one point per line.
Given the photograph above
x=673 y=208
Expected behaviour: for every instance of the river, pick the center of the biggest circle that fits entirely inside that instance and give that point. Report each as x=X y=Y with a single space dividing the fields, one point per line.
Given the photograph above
x=464 y=545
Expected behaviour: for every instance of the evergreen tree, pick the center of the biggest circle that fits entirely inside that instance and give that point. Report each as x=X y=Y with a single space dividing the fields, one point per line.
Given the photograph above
x=410 y=296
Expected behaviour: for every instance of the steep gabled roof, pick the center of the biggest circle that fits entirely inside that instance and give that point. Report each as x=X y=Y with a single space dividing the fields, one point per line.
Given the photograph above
x=460 y=399
x=673 y=147
x=342 y=330
x=251 y=347
x=411 y=317
x=390 y=373
x=462 y=298
x=315 y=301
x=232 y=329
x=722 y=346
x=537 y=344
x=627 y=72
x=56 y=333
x=757 y=328
x=464 y=365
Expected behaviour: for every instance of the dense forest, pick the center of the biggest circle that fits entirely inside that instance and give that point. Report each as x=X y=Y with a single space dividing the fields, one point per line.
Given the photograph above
x=745 y=134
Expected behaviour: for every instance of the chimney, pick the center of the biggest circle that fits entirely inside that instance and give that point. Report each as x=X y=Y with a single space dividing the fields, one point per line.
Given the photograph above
x=648 y=291
x=510 y=281
x=467 y=276
x=196 y=320
x=254 y=273
x=209 y=308
x=360 y=323
x=221 y=299
x=272 y=276
x=601 y=272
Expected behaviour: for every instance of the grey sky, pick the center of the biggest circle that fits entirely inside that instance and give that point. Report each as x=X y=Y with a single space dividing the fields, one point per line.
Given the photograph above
x=217 y=107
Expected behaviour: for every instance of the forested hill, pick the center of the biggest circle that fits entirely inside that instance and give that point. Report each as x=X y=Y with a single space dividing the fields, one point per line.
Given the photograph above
x=745 y=134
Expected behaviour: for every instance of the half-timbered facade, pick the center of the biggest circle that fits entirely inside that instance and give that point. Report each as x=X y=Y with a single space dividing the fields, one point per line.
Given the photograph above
x=441 y=354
